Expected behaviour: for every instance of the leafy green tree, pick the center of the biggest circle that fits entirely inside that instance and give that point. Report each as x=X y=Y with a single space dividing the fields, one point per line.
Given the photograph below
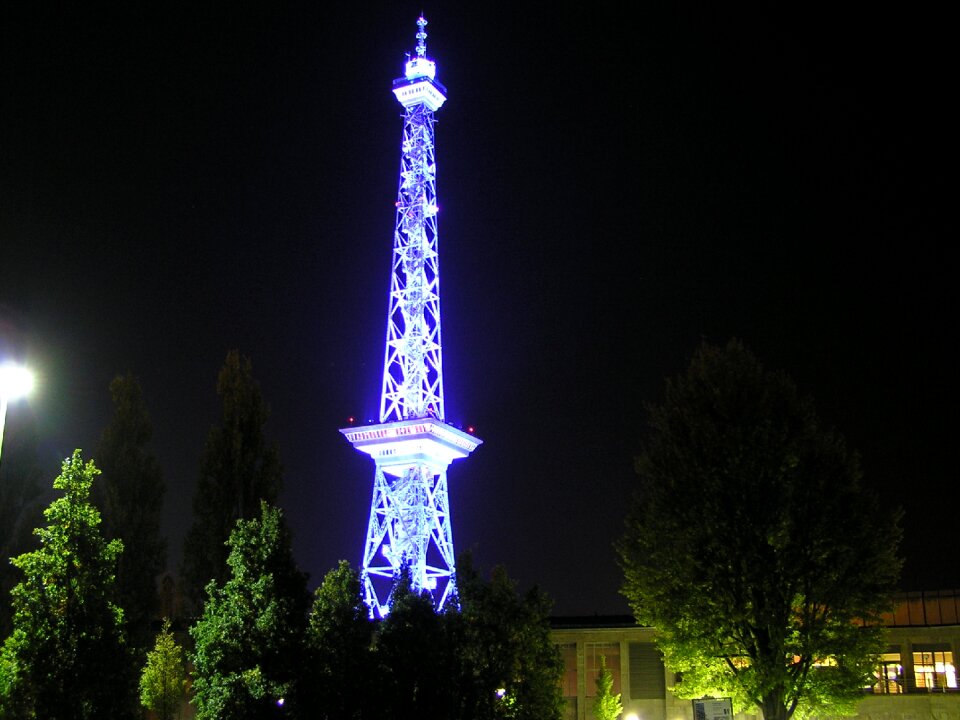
x=130 y=496
x=607 y=705
x=249 y=652
x=67 y=657
x=751 y=546
x=339 y=638
x=163 y=682
x=239 y=468
x=505 y=662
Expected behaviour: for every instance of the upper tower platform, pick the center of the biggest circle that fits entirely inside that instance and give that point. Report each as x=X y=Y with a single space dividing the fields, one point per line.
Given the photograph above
x=419 y=83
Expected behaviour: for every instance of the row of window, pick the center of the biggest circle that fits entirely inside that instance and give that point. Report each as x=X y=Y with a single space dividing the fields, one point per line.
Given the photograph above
x=933 y=671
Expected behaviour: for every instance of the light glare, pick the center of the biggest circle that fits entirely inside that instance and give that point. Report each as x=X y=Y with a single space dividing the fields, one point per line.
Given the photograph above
x=15 y=381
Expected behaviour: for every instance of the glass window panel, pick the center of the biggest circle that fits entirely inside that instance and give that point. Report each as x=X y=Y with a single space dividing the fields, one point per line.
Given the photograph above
x=933 y=670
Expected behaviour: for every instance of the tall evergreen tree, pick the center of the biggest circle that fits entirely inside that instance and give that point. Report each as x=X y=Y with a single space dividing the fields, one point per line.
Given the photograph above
x=239 y=468
x=130 y=495
x=249 y=643
x=67 y=658
x=752 y=547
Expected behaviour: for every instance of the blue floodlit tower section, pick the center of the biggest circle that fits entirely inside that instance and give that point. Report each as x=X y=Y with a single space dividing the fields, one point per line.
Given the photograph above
x=412 y=445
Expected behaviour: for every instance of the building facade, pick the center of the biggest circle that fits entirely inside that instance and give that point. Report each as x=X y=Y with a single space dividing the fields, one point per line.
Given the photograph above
x=916 y=677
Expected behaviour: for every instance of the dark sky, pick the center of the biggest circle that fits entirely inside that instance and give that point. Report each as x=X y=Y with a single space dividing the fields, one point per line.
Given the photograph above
x=179 y=181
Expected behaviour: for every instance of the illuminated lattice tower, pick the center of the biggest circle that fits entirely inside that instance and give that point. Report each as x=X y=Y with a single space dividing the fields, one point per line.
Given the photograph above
x=412 y=445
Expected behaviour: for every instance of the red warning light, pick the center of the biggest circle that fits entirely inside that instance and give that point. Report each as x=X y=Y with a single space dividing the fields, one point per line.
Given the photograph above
x=470 y=429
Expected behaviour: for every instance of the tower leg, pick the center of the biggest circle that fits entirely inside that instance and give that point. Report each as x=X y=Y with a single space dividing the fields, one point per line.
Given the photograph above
x=409 y=526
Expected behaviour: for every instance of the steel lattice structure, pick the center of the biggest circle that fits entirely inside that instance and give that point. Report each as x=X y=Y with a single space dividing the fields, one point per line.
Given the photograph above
x=412 y=365
x=412 y=445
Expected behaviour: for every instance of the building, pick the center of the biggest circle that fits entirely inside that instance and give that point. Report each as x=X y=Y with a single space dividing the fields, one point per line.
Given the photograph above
x=916 y=677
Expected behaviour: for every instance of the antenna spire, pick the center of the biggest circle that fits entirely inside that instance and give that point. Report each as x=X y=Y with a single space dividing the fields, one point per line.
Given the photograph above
x=421 y=37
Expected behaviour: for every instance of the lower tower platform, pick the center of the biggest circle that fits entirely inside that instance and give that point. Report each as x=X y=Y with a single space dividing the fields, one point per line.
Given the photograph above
x=409 y=523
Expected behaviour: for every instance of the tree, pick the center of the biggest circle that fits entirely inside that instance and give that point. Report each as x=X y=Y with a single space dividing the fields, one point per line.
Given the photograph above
x=488 y=656
x=751 y=546
x=412 y=651
x=248 y=652
x=239 y=468
x=339 y=639
x=163 y=683
x=67 y=657
x=606 y=706
x=506 y=663
x=131 y=499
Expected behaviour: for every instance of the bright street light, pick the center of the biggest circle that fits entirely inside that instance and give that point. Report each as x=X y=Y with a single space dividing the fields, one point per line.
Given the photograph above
x=15 y=381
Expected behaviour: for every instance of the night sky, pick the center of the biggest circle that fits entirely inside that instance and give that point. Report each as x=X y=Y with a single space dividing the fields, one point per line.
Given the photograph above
x=187 y=179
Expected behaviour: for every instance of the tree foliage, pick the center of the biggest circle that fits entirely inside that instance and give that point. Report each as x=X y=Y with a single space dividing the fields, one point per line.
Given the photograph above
x=508 y=665
x=340 y=642
x=248 y=652
x=239 y=468
x=751 y=546
x=163 y=682
x=411 y=650
x=491 y=658
x=131 y=498
x=606 y=705
x=67 y=658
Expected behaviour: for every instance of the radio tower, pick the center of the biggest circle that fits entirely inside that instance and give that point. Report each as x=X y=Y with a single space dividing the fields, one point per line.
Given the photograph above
x=412 y=445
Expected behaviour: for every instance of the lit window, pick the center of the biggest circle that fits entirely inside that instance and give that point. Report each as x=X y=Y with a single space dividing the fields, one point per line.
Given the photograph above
x=933 y=668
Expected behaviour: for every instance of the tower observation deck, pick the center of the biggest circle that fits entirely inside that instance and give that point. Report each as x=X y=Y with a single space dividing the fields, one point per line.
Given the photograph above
x=412 y=446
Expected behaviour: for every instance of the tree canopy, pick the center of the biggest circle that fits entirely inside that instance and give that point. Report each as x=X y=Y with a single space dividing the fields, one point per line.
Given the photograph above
x=239 y=468
x=248 y=654
x=751 y=545
x=130 y=495
x=340 y=648
x=488 y=656
x=67 y=658
x=412 y=678
x=507 y=663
